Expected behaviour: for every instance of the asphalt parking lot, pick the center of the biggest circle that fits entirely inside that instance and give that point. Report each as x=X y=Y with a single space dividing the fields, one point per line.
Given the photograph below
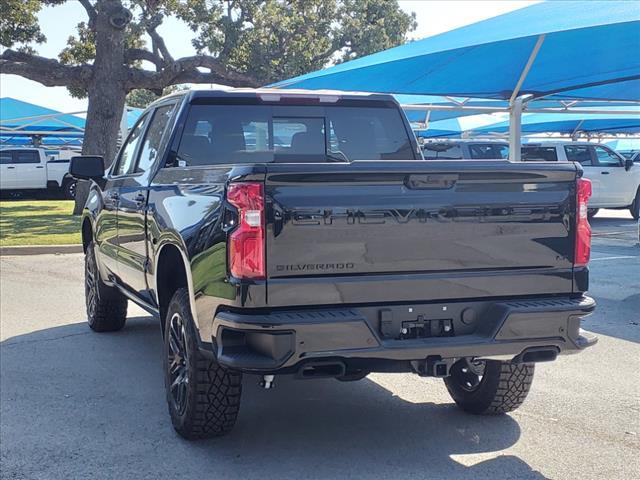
x=75 y=404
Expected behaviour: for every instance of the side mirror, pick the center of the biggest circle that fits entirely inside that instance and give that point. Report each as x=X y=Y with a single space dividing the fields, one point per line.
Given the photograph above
x=628 y=163
x=87 y=167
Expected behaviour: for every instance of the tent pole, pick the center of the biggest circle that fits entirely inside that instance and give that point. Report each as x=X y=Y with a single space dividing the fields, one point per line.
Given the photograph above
x=515 y=128
x=515 y=105
x=574 y=135
x=426 y=119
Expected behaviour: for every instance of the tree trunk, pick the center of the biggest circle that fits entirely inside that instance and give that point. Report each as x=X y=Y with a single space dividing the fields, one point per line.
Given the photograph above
x=106 y=91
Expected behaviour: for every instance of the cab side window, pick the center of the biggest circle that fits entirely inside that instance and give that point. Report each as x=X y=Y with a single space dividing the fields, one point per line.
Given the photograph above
x=28 y=156
x=128 y=151
x=5 y=157
x=531 y=153
x=151 y=146
x=488 y=151
x=607 y=158
x=579 y=153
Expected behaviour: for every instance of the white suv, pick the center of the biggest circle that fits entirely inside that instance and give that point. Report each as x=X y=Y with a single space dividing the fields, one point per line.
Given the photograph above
x=615 y=180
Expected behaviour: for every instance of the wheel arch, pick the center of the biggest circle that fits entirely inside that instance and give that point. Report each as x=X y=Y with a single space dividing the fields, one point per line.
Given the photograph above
x=87 y=233
x=171 y=272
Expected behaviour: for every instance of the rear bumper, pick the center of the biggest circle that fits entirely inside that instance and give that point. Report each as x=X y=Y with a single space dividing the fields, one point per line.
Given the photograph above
x=282 y=341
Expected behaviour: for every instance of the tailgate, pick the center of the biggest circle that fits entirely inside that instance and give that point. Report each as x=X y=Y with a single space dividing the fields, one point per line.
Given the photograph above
x=417 y=231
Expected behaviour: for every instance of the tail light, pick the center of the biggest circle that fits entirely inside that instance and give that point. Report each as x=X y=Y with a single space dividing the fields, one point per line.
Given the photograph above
x=583 y=229
x=246 y=242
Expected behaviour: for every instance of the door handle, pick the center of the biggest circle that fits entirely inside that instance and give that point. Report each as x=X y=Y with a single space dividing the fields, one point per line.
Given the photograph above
x=11 y=168
x=604 y=173
x=39 y=166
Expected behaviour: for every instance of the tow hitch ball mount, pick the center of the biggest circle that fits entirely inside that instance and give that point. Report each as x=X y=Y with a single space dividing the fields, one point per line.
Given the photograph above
x=433 y=366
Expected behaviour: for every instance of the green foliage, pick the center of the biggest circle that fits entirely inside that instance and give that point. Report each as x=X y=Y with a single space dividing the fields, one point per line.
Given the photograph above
x=369 y=26
x=81 y=48
x=19 y=22
x=272 y=40
x=267 y=40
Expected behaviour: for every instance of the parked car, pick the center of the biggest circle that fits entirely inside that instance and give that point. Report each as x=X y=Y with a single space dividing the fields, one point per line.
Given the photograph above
x=32 y=169
x=335 y=252
x=615 y=180
x=459 y=149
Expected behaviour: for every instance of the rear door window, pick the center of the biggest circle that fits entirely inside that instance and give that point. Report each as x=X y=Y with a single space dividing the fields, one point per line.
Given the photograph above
x=488 y=151
x=27 y=156
x=579 y=153
x=539 y=154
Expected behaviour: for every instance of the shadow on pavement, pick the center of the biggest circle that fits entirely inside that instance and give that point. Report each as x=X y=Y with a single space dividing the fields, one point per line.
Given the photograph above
x=616 y=317
x=76 y=404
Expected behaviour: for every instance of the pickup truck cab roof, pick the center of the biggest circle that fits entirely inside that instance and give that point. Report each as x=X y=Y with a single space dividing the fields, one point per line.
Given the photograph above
x=270 y=95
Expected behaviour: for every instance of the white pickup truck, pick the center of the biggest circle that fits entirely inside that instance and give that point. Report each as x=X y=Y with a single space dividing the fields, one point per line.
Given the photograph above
x=33 y=169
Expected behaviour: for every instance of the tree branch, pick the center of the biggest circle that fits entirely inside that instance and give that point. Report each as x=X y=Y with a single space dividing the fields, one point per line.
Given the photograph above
x=156 y=40
x=91 y=12
x=185 y=70
x=133 y=54
x=46 y=71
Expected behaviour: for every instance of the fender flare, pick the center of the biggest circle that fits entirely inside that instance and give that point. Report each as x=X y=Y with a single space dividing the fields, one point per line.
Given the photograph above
x=187 y=268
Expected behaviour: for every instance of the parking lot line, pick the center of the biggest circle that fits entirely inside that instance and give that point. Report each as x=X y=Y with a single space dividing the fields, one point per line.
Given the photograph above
x=614 y=258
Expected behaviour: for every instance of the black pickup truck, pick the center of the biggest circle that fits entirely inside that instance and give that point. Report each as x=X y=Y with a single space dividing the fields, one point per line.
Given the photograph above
x=302 y=233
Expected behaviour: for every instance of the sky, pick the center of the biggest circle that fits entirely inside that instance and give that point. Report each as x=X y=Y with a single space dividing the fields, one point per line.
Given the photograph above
x=433 y=17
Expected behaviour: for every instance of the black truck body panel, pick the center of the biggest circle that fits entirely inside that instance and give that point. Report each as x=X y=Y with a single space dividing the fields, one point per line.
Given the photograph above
x=474 y=258
x=288 y=340
x=415 y=231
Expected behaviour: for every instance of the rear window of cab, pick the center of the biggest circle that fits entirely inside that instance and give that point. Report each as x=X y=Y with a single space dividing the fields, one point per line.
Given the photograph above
x=229 y=134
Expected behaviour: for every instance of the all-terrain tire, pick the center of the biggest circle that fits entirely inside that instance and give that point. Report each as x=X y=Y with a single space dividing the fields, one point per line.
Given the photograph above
x=211 y=395
x=502 y=388
x=106 y=306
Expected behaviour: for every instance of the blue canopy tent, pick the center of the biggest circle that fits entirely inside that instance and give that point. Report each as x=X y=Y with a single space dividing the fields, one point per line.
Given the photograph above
x=21 y=122
x=552 y=50
x=48 y=141
x=23 y=118
x=572 y=124
x=430 y=108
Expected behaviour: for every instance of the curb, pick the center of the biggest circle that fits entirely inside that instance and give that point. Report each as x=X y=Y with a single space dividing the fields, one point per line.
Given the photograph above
x=40 y=249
